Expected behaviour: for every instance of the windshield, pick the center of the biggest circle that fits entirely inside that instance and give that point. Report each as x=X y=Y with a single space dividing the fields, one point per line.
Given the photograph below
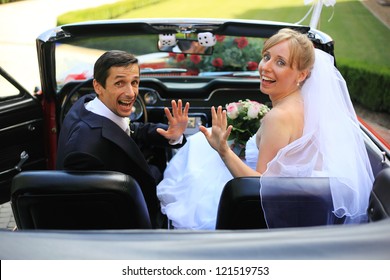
x=232 y=56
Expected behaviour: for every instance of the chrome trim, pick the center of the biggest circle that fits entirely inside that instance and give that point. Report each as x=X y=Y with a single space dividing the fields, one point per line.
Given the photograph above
x=29 y=124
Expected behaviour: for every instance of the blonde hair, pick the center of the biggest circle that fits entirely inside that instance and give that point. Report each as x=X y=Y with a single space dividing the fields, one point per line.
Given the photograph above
x=301 y=48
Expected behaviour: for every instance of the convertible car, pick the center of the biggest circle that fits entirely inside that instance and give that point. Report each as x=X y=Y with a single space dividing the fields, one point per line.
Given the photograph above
x=101 y=215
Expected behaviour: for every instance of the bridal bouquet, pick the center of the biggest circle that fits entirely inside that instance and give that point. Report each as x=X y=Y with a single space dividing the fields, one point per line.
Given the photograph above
x=245 y=118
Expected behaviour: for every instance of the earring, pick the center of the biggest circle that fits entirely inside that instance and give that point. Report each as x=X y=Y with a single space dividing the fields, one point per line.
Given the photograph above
x=298 y=84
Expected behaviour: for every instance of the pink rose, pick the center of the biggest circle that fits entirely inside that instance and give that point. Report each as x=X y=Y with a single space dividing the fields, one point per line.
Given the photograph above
x=253 y=110
x=232 y=110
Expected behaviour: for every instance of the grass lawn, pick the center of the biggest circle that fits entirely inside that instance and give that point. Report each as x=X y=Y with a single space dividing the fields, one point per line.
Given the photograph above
x=359 y=36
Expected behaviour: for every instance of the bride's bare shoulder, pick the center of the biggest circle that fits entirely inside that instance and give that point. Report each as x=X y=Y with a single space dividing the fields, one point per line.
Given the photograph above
x=276 y=115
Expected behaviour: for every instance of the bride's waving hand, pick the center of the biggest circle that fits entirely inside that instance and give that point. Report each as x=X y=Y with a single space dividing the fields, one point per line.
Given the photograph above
x=219 y=133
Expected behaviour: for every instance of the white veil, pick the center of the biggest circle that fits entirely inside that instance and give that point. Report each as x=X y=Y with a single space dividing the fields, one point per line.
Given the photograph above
x=331 y=146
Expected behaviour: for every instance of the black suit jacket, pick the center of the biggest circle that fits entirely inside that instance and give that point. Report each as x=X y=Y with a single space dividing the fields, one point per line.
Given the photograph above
x=88 y=141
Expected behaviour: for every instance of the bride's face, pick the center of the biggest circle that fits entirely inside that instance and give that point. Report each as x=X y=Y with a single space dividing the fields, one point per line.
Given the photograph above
x=278 y=75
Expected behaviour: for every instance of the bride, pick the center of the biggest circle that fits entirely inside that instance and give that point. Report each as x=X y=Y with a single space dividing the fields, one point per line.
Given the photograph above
x=311 y=130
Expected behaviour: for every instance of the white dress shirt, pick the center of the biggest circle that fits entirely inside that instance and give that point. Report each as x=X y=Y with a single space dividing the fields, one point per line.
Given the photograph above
x=98 y=107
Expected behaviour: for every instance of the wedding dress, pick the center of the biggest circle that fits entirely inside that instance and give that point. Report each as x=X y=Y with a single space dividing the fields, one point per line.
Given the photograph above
x=331 y=146
x=193 y=183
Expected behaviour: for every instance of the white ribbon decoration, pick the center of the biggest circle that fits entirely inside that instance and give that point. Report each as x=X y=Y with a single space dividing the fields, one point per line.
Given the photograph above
x=317 y=7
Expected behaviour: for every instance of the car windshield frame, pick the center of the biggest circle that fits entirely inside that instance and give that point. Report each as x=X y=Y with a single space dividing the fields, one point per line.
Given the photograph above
x=50 y=43
x=236 y=56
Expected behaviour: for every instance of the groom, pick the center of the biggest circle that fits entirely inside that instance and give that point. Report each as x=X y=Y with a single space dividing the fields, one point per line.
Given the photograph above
x=96 y=134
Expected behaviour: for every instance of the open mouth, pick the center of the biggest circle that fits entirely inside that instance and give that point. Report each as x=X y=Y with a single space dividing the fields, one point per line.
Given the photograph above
x=265 y=79
x=126 y=103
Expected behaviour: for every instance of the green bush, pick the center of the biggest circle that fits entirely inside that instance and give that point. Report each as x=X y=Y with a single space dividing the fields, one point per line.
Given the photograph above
x=368 y=85
x=8 y=1
x=108 y=11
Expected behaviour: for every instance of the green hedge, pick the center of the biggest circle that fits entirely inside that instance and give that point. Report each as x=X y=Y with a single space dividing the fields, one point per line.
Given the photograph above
x=368 y=85
x=8 y=1
x=108 y=11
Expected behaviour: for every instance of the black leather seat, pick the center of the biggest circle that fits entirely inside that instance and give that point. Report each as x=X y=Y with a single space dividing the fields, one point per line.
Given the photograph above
x=57 y=199
x=240 y=206
x=379 y=203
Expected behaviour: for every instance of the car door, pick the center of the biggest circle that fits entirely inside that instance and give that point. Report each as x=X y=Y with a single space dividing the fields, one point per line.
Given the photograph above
x=21 y=132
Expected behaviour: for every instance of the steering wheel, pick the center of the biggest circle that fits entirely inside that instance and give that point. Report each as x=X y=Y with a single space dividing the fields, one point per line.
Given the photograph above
x=138 y=112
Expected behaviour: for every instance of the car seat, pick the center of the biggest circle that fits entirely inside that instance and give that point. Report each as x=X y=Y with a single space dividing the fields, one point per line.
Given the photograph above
x=240 y=206
x=58 y=199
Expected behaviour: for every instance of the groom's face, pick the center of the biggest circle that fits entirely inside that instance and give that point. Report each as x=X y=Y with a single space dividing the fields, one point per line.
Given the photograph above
x=121 y=89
